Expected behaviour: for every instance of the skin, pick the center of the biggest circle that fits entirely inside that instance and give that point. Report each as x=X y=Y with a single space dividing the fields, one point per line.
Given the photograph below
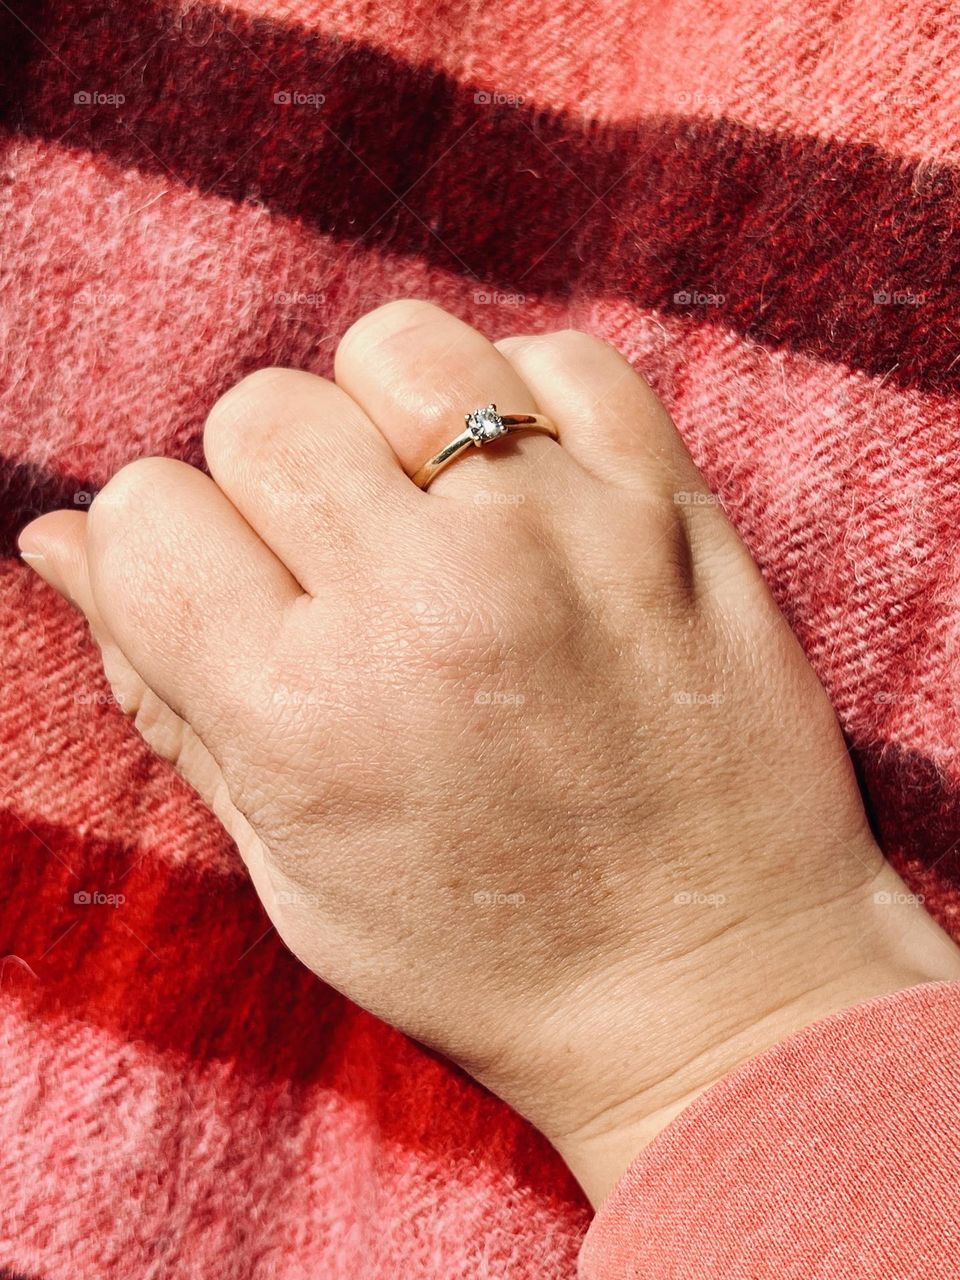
x=529 y=765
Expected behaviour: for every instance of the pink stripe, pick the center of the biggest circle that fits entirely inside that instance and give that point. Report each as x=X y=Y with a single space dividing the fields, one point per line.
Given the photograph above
x=116 y=1161
x=88 y=394
x=70 y=756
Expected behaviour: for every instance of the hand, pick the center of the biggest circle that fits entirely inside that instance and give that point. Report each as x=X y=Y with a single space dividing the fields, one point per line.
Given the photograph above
x=529 y=765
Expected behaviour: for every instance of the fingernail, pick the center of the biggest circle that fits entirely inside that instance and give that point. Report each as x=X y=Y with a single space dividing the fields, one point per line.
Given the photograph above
x=30 y=549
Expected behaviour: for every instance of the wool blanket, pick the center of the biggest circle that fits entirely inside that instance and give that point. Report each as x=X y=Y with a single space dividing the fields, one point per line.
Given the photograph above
x=756 y=201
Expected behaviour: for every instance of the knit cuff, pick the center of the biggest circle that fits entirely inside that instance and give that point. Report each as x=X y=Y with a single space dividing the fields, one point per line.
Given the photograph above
x=832 y=1156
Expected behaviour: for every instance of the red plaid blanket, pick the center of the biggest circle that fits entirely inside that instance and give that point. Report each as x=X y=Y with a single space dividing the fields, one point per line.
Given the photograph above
x=756 y=201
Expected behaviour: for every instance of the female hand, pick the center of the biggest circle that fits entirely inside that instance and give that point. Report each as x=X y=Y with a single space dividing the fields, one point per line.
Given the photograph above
x=529 y=764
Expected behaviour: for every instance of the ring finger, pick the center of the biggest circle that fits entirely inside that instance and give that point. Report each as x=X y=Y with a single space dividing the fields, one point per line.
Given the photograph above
x=416 y=370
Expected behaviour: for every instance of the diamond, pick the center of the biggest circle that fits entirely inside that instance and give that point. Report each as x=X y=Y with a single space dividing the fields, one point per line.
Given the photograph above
x=485 y=424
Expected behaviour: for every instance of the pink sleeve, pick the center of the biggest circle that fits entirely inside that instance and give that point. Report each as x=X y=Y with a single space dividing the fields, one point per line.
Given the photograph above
x=834 y=1156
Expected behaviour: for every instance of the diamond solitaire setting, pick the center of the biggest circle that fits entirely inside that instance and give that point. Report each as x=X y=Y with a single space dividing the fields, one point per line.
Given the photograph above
x=485 y=424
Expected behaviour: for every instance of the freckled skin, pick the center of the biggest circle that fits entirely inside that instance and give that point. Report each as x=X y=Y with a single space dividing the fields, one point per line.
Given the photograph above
x=546 y=782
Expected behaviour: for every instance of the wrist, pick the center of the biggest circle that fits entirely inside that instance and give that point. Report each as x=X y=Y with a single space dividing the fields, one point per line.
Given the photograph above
x=736 y=998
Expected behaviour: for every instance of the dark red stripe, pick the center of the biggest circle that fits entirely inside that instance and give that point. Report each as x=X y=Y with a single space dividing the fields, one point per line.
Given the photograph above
x=28 y=490
x=915 y=811
x=796 y=234
x=187 y=961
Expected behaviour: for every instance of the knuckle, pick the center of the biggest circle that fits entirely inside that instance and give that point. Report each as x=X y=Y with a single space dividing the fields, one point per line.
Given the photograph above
x=563 y=351
x=387 y=323
x=598 y=362
x=388 y=320
x=131 y=491
x=569 y=343
x=245 y=406
x=469 y=619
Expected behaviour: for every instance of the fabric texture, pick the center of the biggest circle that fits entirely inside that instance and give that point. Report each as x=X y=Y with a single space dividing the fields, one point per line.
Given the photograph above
x=756 y=202
x=833 y=1155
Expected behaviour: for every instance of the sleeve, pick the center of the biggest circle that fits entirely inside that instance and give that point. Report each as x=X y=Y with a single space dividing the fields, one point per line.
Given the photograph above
x=833 y=1156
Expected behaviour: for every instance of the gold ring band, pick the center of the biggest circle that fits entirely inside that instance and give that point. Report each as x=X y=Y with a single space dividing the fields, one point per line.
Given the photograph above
x=483 y=426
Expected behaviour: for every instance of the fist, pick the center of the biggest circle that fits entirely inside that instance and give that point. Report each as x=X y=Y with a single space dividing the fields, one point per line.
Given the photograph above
x=527 y=764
